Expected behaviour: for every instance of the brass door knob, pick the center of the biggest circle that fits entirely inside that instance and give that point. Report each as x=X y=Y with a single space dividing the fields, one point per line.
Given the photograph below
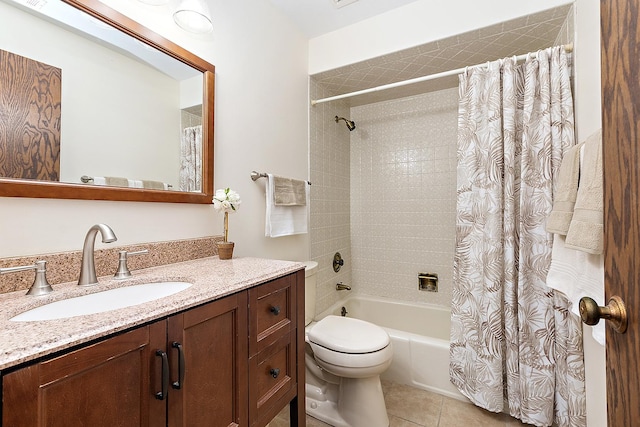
x=615 y=312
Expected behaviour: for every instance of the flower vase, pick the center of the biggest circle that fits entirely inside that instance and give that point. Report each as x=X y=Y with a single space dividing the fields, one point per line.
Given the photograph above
x=225 y=250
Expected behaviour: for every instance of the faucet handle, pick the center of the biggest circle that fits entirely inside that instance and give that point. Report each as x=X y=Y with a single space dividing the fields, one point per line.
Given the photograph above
x=123 y=270
x=40 y=284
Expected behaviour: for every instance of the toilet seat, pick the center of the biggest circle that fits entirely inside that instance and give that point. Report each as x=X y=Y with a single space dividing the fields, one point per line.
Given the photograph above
x=348 y=335
x=350 y=343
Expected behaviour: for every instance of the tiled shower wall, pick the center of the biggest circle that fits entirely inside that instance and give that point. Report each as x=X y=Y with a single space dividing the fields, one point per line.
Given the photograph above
x=403 y=195
x=330 y=187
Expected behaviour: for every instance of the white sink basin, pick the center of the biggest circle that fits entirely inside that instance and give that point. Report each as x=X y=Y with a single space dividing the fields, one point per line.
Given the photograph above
x=99 y=302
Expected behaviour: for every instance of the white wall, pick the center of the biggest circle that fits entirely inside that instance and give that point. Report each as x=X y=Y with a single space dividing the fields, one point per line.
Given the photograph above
x=260 y=123
x=588 y=120
x=417 y=23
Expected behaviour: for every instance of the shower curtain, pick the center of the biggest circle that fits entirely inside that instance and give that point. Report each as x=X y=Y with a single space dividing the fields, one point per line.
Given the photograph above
x=191 y=159
x=514 y=341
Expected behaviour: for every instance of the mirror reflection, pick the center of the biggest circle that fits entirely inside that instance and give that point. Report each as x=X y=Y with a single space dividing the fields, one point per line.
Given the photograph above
x=85 y=103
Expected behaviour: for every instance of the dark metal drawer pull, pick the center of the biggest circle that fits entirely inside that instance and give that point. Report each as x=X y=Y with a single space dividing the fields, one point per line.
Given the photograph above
x=274 y=372
x=275 y=310
x=165 y=375
x=178 y=384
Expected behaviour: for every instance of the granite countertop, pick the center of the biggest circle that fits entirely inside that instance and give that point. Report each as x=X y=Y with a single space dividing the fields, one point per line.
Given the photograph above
x=211 y=279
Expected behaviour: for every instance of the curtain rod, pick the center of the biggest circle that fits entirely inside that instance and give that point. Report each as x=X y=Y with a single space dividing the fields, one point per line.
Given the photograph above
x=568 y=48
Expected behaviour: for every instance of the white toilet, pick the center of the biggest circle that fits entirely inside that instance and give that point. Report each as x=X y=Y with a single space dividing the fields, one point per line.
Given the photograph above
x=344 y=359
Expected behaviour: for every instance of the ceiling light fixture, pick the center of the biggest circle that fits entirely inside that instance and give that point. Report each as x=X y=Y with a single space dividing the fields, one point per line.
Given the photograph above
x=193 y=16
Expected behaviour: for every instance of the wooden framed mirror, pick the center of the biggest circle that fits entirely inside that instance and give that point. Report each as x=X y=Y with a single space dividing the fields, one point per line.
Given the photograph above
x=131 y=145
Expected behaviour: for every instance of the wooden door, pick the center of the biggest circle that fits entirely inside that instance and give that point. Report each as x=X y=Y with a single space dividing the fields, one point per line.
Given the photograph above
x=110 y=383
x=212 y=342
x=621 y=157
x=30 y=118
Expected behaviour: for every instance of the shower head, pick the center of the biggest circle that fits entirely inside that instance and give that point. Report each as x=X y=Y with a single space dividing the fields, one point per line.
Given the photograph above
x=350 y=123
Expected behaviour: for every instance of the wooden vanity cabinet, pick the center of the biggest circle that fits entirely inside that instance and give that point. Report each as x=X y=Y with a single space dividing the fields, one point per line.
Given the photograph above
x=102 y=384
x=219 y=362
x=211 y=341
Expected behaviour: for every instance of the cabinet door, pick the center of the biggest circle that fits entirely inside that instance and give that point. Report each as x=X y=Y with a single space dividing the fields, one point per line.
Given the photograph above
x=110 y=383
x=211 y=343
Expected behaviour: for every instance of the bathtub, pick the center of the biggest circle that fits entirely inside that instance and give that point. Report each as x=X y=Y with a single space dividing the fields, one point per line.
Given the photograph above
x=419 y=335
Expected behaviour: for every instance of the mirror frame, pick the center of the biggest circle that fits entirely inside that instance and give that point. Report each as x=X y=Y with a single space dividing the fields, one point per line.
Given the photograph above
x=59 y=190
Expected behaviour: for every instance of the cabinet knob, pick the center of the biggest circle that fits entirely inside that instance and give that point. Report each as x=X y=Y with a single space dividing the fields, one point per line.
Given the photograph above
x=274 y=372
x=275 y=310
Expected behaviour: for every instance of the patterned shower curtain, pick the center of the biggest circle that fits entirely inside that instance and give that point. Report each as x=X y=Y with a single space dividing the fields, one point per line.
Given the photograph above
x=514 y=341
x=191 y=159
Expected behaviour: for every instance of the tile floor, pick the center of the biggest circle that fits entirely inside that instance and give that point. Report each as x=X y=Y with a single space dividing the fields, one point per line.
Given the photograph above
x=411 y=407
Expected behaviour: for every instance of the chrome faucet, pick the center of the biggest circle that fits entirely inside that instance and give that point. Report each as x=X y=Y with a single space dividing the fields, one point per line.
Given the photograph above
x=342 y=287
x=88 y=268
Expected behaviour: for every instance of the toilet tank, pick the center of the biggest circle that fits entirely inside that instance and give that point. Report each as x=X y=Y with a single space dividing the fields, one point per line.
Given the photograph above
x=310 y=278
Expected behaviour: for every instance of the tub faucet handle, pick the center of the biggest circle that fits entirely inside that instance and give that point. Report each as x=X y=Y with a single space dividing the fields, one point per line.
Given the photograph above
x=123 y=270
x=342 y=287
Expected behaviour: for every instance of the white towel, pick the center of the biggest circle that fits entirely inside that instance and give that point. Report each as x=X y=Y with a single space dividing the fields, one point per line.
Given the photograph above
x=577 y=274
x=284 y=220
x=135 y=183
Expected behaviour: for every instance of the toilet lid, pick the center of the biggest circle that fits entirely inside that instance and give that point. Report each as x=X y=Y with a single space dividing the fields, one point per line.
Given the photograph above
x=348 y=335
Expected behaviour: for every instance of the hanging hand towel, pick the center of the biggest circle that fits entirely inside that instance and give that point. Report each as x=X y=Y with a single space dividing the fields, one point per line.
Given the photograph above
x=289 y=192
x=153 y=185
x=284 y=220
x=114 y=181
x=586 y=232
x=577 y=274
x=566 y=192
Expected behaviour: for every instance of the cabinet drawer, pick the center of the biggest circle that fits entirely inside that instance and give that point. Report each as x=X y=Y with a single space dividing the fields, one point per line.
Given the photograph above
x=270 y=316
x=274 y=378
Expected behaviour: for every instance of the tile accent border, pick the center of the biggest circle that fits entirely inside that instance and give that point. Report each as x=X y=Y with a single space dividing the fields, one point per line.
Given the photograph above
x=64 y=267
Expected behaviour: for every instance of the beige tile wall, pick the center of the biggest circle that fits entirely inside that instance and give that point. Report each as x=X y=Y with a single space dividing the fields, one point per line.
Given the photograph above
x=330 y=178
x=403 y=195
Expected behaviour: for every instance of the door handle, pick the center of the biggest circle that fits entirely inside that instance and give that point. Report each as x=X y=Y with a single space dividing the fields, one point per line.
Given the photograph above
x=615 y=312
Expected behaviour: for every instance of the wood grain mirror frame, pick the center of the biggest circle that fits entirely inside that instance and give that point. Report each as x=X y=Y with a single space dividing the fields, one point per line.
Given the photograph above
x=58 y=190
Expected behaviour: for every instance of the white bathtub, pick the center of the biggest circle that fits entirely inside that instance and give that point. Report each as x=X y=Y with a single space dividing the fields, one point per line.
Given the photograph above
x=420 y=338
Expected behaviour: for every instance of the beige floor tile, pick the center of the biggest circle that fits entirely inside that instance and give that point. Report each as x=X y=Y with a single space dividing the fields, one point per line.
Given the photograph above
x=312 y=422
x=399 y=422
x=414 y=405
x=456 y=413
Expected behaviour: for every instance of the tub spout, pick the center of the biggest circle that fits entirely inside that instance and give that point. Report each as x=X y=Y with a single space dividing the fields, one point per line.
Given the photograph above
x=342 y=287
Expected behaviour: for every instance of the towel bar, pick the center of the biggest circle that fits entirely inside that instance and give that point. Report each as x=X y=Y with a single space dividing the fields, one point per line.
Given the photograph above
x=87 y=179
x=257 y=175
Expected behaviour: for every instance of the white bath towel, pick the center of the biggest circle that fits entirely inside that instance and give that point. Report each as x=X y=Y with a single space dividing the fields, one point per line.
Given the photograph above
x=284 y=220
x=577 y=274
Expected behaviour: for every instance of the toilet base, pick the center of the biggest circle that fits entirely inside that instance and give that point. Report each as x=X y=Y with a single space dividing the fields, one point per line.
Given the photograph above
x=354 y=403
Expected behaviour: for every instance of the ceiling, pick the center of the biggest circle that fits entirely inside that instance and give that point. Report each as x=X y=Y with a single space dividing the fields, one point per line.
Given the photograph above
x=317 y=17
x=514 y=37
